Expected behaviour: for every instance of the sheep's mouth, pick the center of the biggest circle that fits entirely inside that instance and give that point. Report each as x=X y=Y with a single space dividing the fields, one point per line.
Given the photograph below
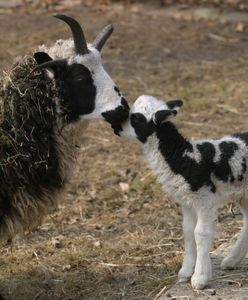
x=117 y=116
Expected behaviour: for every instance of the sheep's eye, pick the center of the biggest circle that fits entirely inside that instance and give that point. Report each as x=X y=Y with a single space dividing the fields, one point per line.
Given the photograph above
x=80 y=78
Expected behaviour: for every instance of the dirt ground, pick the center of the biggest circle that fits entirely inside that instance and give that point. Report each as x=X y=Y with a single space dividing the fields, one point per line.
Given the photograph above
x=116 y=235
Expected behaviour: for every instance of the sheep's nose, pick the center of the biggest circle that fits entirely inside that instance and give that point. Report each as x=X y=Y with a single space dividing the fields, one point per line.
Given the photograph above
x=117 y=116
x=122 y=113
x=125 y=105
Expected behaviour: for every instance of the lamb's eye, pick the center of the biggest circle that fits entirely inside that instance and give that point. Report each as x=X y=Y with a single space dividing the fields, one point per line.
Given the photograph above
x=138 y=118
x=135 y=119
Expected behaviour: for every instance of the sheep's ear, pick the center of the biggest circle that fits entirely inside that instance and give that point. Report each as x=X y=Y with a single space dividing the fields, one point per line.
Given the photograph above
x=175 y=104
x=163 y=115
x=54 y=65
x=41 y=57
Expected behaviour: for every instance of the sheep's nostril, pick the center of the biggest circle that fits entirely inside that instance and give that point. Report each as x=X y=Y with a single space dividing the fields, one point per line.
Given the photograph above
x=115 y=118
x=121 y=114
x=117 y=115
x=124 y=103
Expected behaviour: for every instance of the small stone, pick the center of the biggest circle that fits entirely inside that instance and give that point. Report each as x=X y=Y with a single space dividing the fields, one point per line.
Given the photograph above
x=124 y=186
x=10 y=3
x=57 y=241
x=206 y=13
x=240 y=27
x=66 y=267
x=211 y=292
x=97 y=244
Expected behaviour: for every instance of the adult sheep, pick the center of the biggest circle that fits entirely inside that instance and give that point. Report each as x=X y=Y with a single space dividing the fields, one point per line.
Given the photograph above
x=43 y=109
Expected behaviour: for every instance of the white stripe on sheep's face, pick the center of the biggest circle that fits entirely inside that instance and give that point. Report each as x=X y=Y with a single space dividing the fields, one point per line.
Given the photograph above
x=146 y=114
x=88 y=91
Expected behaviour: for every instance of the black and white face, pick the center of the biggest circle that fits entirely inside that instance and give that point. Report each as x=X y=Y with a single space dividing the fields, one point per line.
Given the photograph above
x=88 y=89
x=107 y=97
x=146 y=114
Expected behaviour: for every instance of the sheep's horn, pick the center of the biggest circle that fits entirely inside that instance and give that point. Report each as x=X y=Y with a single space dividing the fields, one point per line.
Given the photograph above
x=102 y=37
x=52 y=63
x=77 y=33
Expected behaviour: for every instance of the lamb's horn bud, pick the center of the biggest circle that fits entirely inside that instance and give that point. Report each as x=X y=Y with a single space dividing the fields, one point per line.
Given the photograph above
x=77 y=33
x=102 y=37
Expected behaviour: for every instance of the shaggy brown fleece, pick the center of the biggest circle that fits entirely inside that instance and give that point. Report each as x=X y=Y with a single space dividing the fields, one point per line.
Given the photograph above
x=34 y=152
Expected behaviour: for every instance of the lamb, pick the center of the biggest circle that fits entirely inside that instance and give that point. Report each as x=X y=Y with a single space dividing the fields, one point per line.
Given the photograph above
x=200 y=175
x=43 y=111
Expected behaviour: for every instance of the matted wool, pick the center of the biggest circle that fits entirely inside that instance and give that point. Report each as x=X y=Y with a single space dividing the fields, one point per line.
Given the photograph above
x=35 y=154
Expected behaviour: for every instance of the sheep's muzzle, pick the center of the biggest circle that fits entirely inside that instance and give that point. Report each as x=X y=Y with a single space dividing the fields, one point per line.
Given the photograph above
x=117 y=116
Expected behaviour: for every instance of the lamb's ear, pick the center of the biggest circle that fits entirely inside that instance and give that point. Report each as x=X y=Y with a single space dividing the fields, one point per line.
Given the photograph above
x=163 y=115
x=41 y=57
x=175 y=104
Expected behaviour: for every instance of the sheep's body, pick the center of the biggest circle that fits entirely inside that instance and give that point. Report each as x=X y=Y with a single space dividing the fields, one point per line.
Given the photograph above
x=37 y=149
x=42 y=118
x=199 y=175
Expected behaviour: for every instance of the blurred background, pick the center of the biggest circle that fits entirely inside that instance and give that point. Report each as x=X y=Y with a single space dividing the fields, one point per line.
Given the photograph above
x=116 y=235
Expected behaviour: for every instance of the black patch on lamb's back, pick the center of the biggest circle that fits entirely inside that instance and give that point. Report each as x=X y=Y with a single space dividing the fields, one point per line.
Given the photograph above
x=223 y=170
x=244 y=165
x=29 y=159
x=243 y=137
x=174 y=147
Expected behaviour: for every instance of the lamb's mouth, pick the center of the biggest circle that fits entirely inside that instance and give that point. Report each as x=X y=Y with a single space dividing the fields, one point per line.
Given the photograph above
x=117 y=116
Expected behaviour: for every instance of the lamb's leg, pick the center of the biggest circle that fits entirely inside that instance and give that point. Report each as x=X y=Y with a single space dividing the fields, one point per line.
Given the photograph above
x=189 y=223
x=240 y=248
x=204 y=234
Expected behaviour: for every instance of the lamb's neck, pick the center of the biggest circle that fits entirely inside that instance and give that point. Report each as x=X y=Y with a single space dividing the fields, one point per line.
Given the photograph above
x=164 y=149
x=171 y=142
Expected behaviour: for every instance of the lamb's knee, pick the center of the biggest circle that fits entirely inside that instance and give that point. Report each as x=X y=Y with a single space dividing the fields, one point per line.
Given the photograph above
x=204 y=230
x=203 y=235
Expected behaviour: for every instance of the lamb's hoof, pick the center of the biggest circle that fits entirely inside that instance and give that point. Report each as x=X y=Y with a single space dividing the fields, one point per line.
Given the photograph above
x=184 y=275
x=199 y=282
x=183 y=279
x=228 y=263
